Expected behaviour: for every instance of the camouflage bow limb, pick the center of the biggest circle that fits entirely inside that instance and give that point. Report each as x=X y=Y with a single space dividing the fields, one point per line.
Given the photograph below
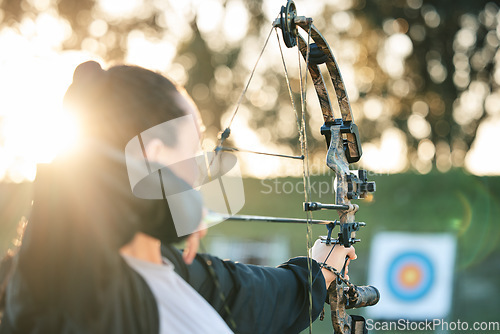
x=344 y=147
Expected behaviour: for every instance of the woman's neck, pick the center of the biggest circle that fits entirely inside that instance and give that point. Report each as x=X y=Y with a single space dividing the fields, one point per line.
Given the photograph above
x=143 y=247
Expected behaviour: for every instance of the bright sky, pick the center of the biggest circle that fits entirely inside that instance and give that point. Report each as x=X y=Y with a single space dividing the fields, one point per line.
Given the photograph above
x=34 y=77
x=33 y=127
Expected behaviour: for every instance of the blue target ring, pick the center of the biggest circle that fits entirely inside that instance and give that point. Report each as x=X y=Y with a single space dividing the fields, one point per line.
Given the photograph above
x=410 y=276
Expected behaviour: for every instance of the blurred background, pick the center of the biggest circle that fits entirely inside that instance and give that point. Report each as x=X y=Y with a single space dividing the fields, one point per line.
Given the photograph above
x=423 y=78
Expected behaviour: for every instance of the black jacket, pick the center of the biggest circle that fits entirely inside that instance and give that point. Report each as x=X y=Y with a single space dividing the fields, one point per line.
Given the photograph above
x=260 y=299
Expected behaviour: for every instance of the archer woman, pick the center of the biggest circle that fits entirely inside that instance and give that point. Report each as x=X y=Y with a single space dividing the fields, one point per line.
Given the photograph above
x=96 y=258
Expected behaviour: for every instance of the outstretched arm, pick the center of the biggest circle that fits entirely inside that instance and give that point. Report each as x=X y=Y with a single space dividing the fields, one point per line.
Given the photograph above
x=260 y=299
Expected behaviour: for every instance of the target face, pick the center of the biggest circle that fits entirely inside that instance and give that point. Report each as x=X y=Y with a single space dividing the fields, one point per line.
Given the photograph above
x=414 y=274
x=410 y=276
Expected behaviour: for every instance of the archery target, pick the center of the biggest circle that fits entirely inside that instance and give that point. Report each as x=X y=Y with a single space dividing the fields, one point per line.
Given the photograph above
x=414 y=274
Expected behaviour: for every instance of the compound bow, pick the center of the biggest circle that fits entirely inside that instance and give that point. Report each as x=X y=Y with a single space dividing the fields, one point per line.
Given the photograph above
x=344 y=147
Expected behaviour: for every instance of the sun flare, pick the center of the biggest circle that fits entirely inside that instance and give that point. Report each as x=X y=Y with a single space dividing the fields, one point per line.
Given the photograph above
x=33 y=126
x=34 y=136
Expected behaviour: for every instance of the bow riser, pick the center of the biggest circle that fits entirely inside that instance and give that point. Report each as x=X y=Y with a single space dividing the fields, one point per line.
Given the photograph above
x=337 y=161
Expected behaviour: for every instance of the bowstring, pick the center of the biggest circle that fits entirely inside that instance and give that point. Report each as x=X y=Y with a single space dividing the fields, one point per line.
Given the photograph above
x=305 y=164
x=301 y=126
x=243 y=93
x=225 y=133
x=211 y=271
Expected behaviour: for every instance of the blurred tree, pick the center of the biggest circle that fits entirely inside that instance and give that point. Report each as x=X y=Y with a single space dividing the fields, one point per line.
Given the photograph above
x=425 y=70
x=448 y=76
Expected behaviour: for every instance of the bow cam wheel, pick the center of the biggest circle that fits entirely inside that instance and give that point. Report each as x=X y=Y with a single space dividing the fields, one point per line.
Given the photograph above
x=288 y=27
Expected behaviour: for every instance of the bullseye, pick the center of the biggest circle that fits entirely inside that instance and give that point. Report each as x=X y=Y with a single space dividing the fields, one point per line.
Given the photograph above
x=411 y=276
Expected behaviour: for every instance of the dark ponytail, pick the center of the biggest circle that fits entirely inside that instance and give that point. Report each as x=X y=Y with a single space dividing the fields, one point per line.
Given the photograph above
x=84 y=210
